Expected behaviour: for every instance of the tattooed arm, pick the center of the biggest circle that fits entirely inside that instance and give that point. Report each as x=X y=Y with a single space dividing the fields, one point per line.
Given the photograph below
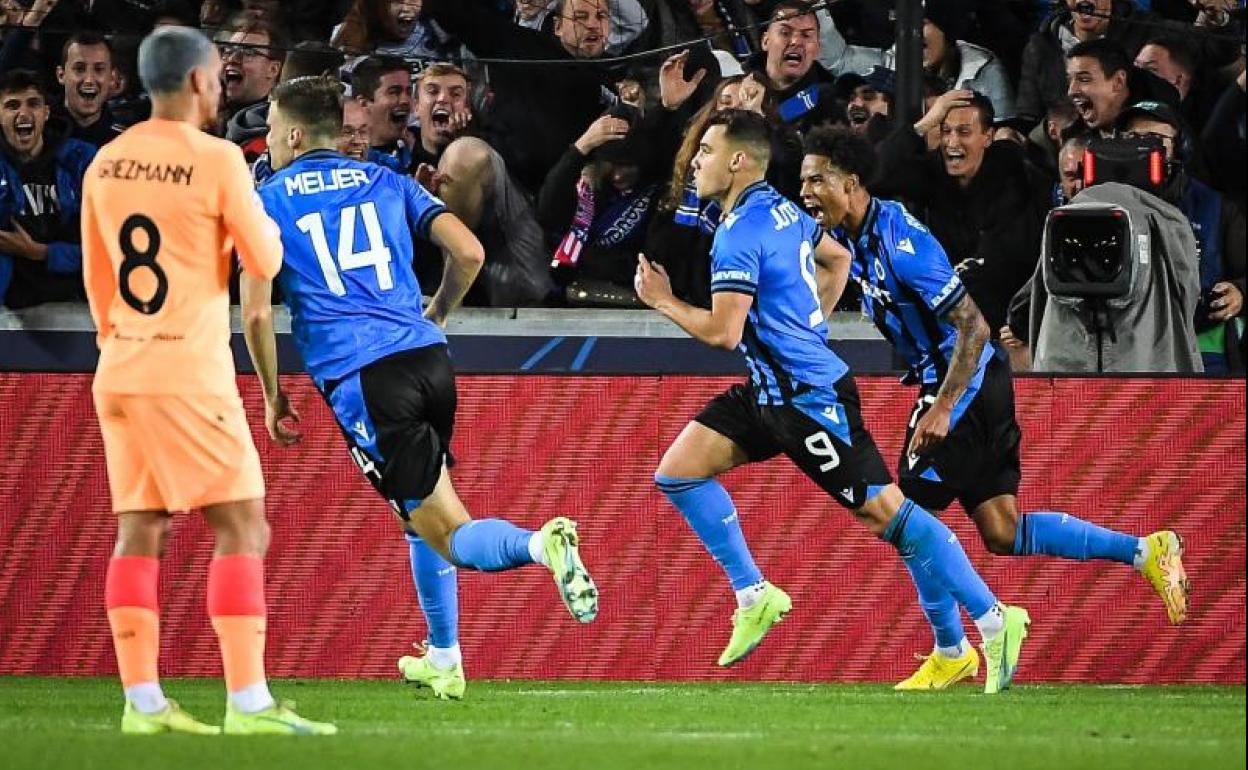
x=973 y=334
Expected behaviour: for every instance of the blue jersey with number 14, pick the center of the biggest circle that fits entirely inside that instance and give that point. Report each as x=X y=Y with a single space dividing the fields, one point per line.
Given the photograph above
x=347 y=231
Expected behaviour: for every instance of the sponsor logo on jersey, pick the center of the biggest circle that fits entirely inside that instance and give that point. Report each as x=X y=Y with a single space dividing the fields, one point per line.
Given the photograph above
x=732 y=275
x=949 y=288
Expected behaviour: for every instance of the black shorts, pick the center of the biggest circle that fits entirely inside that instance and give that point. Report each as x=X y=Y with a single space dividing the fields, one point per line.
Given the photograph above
x=398 y=414
x=821 y=431
x=979 y=459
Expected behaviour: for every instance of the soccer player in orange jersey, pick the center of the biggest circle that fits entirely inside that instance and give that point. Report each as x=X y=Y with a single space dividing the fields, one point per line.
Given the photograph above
x=164 y=207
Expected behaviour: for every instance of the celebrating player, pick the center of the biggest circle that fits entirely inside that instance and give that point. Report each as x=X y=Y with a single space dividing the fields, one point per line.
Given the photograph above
x=962 y=440
x=774 y=278
x=162 y=205
x=348 y=230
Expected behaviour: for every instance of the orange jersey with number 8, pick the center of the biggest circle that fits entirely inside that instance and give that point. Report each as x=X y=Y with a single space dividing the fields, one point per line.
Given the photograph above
x=164 y=207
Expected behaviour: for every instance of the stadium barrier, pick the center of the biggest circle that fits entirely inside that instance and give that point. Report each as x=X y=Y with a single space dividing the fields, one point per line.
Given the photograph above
x=1136 y=454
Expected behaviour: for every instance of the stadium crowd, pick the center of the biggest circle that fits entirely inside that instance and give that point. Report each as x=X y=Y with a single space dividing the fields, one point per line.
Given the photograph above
x=562 y=131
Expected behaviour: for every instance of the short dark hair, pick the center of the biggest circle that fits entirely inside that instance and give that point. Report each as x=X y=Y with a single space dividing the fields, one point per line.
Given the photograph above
x=311 y=57
x=1181 y=52
x=846 y=149
x=85 y=38
x=18 y=80
x=367 y=75
x=983 y=107
x=182 y=10
x=1110 y=55
x=746 y=129
x=240 y=24
x=315 y=103
x=795 y=7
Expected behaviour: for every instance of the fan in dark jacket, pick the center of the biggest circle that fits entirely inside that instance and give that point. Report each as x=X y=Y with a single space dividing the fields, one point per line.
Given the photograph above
x=538 y=109
x=1043 y=82
x=980 y=198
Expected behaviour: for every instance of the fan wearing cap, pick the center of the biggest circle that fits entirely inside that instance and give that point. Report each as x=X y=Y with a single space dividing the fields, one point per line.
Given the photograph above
x=869 y=101
x=1219 y=227
x=959 y=63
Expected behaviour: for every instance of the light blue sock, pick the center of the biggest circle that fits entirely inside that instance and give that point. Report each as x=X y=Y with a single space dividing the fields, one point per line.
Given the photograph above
x=1060 y=534
x=490 y=545
x=438 y=590
x=705 y=504
x=926 y=542
x=938 y=606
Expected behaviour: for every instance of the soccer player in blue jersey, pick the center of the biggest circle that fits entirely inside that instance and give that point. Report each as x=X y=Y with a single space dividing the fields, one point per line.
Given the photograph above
x=381 y=364
x=774 y=278
x=962 y=441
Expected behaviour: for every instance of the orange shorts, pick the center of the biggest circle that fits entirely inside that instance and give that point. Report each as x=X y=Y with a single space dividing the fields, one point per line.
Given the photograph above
x=175 y=453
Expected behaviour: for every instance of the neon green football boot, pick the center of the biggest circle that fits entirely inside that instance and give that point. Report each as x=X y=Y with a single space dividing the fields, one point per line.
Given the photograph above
x=1002 y=653
x=446 y=684
x=561 y=546
x=172 y=720
x=278 y=719
x=750 y=625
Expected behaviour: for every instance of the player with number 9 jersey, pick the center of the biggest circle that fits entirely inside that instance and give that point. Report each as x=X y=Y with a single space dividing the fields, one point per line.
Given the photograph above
x=785 y=337
x=165 y=206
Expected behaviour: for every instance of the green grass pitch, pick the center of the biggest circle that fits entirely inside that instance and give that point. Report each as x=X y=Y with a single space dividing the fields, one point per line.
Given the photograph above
x=50 y=723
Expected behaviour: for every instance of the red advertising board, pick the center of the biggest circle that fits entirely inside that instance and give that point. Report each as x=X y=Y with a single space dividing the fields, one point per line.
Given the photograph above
x=1133 y=454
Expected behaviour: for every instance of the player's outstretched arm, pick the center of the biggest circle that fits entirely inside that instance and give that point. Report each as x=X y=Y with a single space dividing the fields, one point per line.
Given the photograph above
x=719 y=327
x=464 y=258
x=832 y=261
x=973 y=334
x=256 y=298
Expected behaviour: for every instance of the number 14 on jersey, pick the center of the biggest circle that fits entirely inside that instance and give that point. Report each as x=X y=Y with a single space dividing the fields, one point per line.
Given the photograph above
x=376 y=255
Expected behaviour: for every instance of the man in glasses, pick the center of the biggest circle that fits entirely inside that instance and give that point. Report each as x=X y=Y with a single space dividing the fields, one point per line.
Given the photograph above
x=251 y=62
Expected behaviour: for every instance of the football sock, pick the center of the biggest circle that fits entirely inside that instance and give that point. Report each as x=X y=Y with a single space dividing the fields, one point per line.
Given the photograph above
x=939 y=608
x=991 y=623
x=705 y=504
x=748 y=597
x=1060 y=534
x=445 y=658
x=536 y=552
x=147 y=697
x=236 y=606
x=929 y=545
x=134 y=618
x=438 y=591
x=490 y=545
